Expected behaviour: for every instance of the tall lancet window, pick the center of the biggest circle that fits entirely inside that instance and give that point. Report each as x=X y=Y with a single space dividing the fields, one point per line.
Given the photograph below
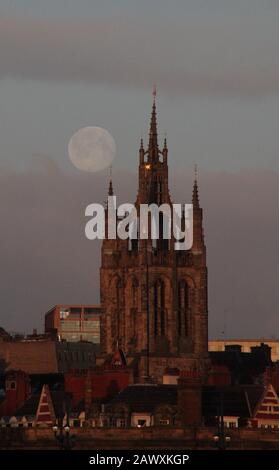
x=159 y=308
x=134 y=306
x=183 y=305
x=118 y=293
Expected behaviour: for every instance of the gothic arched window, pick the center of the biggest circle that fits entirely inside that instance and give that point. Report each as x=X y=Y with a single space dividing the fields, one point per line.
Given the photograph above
x=183 y=305
x=159 y=308
x=118 y=295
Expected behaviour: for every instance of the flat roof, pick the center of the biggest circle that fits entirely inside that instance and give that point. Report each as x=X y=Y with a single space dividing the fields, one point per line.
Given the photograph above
x=261 y=340
x=97 y=306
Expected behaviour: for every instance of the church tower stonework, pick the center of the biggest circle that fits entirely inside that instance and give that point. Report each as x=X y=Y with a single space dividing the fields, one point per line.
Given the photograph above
x=153 y=297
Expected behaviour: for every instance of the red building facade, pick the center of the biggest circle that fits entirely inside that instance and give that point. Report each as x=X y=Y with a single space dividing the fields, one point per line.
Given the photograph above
x=17 y=391
x=74 y=322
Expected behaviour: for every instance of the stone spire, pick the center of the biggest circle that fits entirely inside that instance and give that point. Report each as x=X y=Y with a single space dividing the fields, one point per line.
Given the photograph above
x=195 y=197
x=153 y=150
x=110 y=191
x=141 y=152
x=165 y=150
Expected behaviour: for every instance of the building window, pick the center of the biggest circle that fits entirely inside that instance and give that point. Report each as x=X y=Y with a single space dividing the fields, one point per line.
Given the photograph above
x=164 y=422
x=118 y=294
x=64 y=313
x=121 y=423
x=159 y=308
x=183 y=305
x=75 y=311
x=113 y=422
x=90 y=311
x=11 y=385
x=141 y=423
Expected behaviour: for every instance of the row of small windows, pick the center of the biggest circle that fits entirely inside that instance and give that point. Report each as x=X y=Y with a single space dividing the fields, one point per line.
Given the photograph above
x=75 y=356
x=270 y=409
x=77 y=311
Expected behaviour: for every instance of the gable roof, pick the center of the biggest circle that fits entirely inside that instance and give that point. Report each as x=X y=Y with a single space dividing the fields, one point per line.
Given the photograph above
x=268 y=405
x=33 y=357
x=45 y=411
x=30 y=407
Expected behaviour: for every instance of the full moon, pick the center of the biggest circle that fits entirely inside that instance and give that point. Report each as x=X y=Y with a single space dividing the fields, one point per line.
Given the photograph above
x=92 y=149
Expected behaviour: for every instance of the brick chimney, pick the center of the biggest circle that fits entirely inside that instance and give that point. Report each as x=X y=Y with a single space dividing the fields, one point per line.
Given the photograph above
x=189 y=398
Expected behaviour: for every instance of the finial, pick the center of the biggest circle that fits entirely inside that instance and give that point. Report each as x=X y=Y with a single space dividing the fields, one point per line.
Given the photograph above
x=196 y=172
x=110 y=192
x=195 y=197
x=165 y=140
x=154 y=92
x=141 y=152
x=153 y=138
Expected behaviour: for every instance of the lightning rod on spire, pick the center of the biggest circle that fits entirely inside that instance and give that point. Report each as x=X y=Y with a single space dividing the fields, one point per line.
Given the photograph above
x=154 y=92
x=196 y=171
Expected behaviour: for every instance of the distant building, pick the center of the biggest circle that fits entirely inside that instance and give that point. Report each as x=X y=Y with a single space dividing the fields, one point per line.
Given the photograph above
x=246 y=345
x=145 y=405
x=74 y=322
x=244 y=367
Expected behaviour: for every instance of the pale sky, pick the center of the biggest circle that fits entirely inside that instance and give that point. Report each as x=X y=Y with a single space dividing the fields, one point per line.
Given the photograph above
x=65 y=65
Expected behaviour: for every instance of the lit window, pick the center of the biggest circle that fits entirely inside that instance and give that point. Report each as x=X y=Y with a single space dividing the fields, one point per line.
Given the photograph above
x=141 y=423
x=164 y=422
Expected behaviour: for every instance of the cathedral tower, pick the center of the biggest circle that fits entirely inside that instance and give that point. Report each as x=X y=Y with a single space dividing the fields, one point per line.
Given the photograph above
x=154 y=298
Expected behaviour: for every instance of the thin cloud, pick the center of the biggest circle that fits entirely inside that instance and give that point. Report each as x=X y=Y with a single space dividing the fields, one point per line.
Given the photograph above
x=238 y=57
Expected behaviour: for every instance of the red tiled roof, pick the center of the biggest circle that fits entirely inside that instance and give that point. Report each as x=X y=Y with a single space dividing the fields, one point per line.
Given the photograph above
x=34 y=357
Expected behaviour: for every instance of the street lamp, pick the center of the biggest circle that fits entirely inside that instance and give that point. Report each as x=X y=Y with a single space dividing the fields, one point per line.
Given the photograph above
x=64 y=438
x=62 y=434
x=220 y=439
